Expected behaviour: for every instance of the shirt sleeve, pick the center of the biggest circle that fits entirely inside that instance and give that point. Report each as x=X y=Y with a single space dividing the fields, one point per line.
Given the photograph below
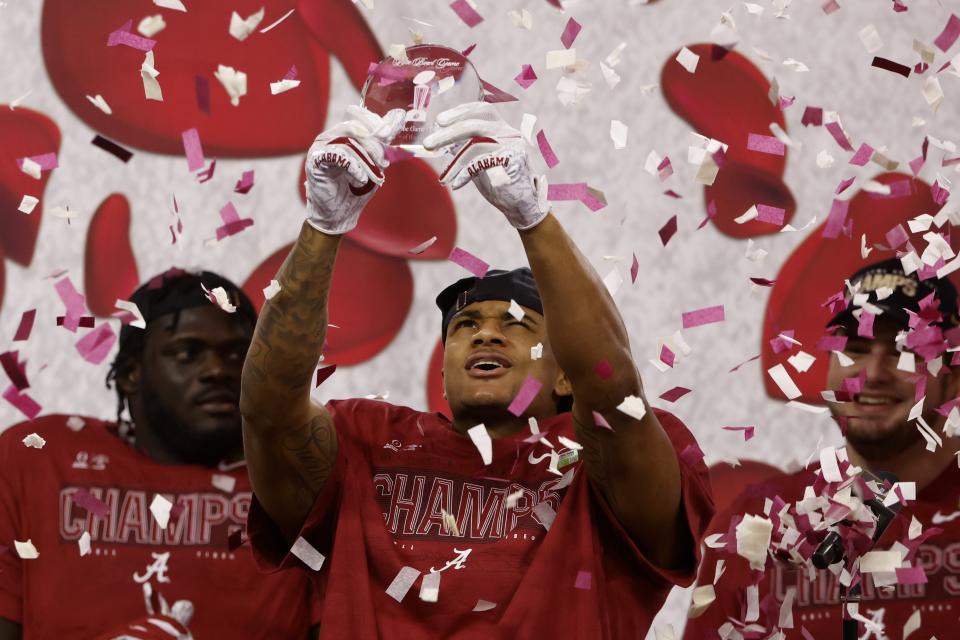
x=696 y=504
x=11 y=582
x=270 y=549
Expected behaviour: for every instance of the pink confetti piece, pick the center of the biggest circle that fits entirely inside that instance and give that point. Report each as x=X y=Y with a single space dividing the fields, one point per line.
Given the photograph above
x=202 y=90
x=748 y=432
x=668 y=230
x=916 y=165
x=207 y=173
x=664 y=169
x=74 y=302
x=771 y=215
x=600 y=421
x=837 y=132
x=124 y=36
x=584 y=578
x=896 y=236
x=245 y=183
x=949 y=34
x=747 y=361
x=911 y=575
x=836 y=218
x=15 y=369
x=193 y=149
x=862 y=156
x=830 y=6
x=938 y=193
x=291 y=73
x=765 y=144
x=95 y=346
x=812 y=116
x=711 y=214
x=603 y=369
x=591 y=198
x=396 y=154
x=526 y=77
x=781 y=343
x=468 y=261
x=546 y=150
x=594 y=199
x=865 y=327
x=22 y=401
x=494 y=95
x=232 y=222
x=831 y=343
x=467 y=13
x=47 y=161
x=531 y=387
x=691 y=455
x=570 y=33
x=25 y=326
x=699 y=317
x=674 y=394
x=86 y=500
x=634 y=269
x=667 y=356
x=844 y=185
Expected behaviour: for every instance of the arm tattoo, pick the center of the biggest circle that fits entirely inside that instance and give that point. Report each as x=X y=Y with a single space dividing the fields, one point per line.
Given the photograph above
x=313 y=450
x=594 y=457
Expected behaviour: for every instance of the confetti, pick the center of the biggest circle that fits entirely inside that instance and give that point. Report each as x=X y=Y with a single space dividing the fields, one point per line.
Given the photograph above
x=27 y=204
x=278 y=21
x=467 y=13
x=526 y=77
x=232 y=222
x=219 y=297
x=430 y=587
x=26 y=550
x=241 y=28
x=149 y=73
x=176 y=5
x=160 y=509
x=202 y=89
x=100 y=103
x=674 y=394
x=23 y=402
x=483 y=443
x=245 y=183
x=561 y=58
x=151 y=25
x=618 y=133
x=634 y=269
x=784 y=382
x=484 y=605
x=890 y=65
x=234 y=82
x=584 y=580
x=591 y=198
x=25 y=326
x=96 y=345
x=544 y=514
x=86 y=500
x=870 y=38
x=753 y=539
x=282 y=86
x=112 y=148
x=949 y=35
x=34 y=441
x=528 y=391
x=836 y=219
x=193 y=149
x=224 y=482
x=468 y=261
x=402 y=582
x=570 y=32
x=546 y=150
x=668 y=230
x=323 y=373
x=699 y=317
x=765 y=144
x=688 y=59
x=123 y=36
x=84 y=544
x=310 y=556
x=748 y=432
x=633 y=407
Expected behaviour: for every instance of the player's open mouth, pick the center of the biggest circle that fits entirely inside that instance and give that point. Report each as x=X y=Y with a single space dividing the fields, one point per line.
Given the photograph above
x=869 y=404
x=487 y=365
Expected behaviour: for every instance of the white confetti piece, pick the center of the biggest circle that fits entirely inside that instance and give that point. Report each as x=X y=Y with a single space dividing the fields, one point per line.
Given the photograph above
x=753 y=538
x=271 y=290
x=545 y=515
x=784 y=382
x=402 y=582
x=277 y=21
x=100 y=103
x=224 y=482
x=430 y=587
x=132 y=309
x=234 y=82
x=75 y=423
x=870 y=38
x=26 y=550
x=688 y=59
x=703 y=597
x=151 y=25
x=484 y=605
x=801 y=361
x=613 y=281
x=618 y=133
x=483 y=443
x=160 y=508
x=912 y=624
x=240 y=28
x=149 y=73
x=175 y=5
x=829 y=466
x=284 y=85
x=423 y=246
x=570 y=444
x=27 y=204
x=536 y=351
x=933 y=92
x=221 y=298
x=633 y=407
x=307 y=554
x=796 y=65
x=515 y=310
x=915 y=528
x=664 y=632
x=84 y=544
x=31 y=168
x=34 y=441
x=880 y=561
x=611 y=77
x=527 y=123
x=825 y=160
x=561 y=58
x=522 y=19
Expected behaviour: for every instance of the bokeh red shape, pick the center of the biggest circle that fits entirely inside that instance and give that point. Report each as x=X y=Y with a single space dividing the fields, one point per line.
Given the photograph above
x=110 y=268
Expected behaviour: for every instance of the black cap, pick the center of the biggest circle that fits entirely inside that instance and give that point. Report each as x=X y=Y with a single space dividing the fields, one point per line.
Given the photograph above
x=908 y=291
x=497 y=284
x=176 y=289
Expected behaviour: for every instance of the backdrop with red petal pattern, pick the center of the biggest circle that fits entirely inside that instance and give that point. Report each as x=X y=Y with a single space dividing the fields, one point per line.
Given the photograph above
x=829 y=79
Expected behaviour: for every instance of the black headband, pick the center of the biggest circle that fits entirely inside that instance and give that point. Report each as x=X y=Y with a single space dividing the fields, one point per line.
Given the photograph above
x=497 y=284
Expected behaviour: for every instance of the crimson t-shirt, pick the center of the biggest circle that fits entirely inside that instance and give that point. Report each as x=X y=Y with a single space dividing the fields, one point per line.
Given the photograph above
x=817 y=603
x=63 y=595
x=540 y=551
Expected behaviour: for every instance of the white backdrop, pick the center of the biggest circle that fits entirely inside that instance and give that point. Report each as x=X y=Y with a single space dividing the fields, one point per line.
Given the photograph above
x=696 y=269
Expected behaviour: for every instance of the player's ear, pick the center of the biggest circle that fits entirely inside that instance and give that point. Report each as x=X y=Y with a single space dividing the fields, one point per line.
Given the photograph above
x=562 y=386
x=128 y=377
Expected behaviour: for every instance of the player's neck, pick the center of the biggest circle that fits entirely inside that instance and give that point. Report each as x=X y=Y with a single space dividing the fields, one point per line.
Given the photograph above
x=913 y=464
x=497 y=427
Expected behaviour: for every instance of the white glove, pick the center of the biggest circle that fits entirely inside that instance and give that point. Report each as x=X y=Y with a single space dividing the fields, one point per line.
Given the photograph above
x=494 y=158
x=345 y=167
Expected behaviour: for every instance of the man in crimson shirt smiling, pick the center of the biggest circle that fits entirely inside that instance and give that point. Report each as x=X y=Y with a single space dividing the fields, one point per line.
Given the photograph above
x=896 y=328
x=519 y=518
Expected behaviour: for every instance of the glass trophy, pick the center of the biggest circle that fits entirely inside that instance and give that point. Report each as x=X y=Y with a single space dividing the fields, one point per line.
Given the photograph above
x=432 y=79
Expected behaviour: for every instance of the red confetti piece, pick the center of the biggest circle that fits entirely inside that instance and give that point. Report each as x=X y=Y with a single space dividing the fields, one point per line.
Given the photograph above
x=570 y=32
x=765 y=144
x=667 y=356
x=193 y=149
x=830 y=6
x=494 y=95
x=634 y=269
x=15 y=369
x=949 y=35
x=232 y=222
x=747 y=361
x=546 y=150
x=323 y=373
x=603 y=369
x=291 y=73
x=668 y=230
x=86 y=500
x=674 y=394
x=836 y=218
x=698 y=317
x=112 y=148
x=202 y=91
x=526 y=77
x=896 y=236
x=691 y=455
x=22 y=401
x=591 y=198
x=763 y=282
x=812 y=116
x=837 y=132
x=911 y=575
x=467 y=13
x=25 y=326
x=531 y=387
x=245 y=183
x=468 y=261
x=747 y=431
x=844 y=184
x=890 y=65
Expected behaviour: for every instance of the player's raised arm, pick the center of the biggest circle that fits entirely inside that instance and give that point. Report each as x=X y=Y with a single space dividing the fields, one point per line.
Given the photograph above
x=634 y=464
x=289 y=441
